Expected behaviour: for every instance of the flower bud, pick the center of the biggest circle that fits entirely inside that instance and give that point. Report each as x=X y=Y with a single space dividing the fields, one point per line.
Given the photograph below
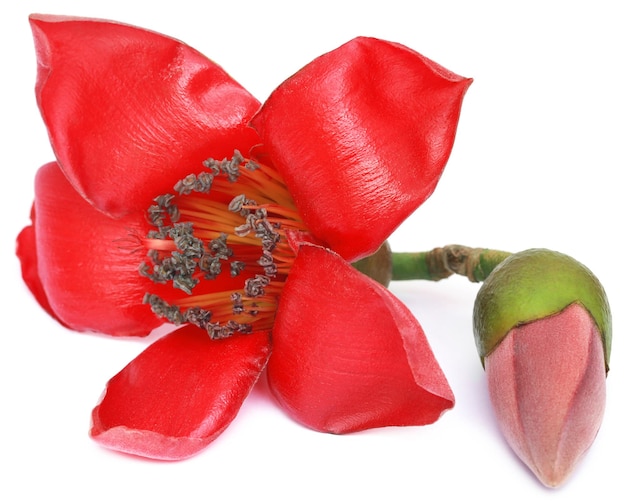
x=542 y=325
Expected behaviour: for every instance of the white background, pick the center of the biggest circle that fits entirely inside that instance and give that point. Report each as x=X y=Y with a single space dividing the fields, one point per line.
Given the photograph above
x=538 y=162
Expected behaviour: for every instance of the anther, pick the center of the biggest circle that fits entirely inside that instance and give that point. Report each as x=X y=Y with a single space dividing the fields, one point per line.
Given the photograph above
x=251 y=165
x=163 y=309
x=185 y=253
x=217 y=331
x=236 y=266
x=219 y=247
x=211 y=266
x=156 y=215
x=185 y=241
x=255 y=287
x=239 y=205
x=242 y=230
x=242 y=328
x=185 y=283
x=237 y=303
x=237 y=157
x=186 y=185
x=269 y=237
x=213 y=165
x=198 y=316
x=144 y=270
x=164 y=200
x=164 y=205
x=230 y=167
x=204 y=183
x=192 y=183
x=267 y=262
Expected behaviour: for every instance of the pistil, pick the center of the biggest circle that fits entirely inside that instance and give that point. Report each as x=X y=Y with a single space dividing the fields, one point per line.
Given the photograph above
x=220 y=242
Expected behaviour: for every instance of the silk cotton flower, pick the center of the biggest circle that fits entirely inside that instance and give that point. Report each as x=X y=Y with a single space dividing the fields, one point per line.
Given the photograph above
x=177 y=197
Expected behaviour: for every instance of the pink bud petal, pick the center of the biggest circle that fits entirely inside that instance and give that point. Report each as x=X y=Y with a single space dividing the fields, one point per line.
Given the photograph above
x=547 y=384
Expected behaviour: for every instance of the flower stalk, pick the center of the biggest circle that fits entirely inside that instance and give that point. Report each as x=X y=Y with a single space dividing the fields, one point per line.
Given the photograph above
x=442 y=262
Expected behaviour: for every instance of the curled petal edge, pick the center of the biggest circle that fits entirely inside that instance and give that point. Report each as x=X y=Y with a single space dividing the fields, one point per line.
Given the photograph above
x=361 y=136
x=124 y=103
x=83 y=264
x=339 y=369
x=179 y=394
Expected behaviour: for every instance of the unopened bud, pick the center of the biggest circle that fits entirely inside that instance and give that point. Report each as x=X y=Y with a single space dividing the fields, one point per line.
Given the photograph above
x=542 y=325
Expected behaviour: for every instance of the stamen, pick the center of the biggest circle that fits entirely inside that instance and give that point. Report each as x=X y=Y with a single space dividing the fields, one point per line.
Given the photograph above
x=192 y=183
x=198 y=316
x=237 y=303
x=267 y=262
x=163 y=309
x=255 y=287
x=237 y=203
x=251 y=165
x=224 y=216
x=219 y=247
x=236 y=267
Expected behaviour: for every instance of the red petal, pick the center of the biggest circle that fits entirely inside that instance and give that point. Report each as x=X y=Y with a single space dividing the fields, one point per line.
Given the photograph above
x=547 y=386
x=130 y=111
x=347 y=355
x=85 y=263
x=361 y=136
x=26 y=250
x=179 y=394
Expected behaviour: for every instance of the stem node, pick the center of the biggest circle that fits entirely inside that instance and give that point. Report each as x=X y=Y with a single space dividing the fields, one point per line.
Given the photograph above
x=439 y=263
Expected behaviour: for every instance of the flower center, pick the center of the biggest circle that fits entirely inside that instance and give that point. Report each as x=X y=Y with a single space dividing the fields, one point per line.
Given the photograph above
x=220 y=241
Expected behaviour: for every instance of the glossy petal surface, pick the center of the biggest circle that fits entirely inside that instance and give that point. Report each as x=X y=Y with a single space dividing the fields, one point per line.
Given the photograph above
x=547 y=386
x=129 y=111
x=26 y=251
x=87 y=263
x=179 y=394
x=361 y=136
x=347 y=355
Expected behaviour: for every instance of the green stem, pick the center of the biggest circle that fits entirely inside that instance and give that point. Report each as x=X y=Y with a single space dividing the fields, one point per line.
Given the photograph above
x=474 y=263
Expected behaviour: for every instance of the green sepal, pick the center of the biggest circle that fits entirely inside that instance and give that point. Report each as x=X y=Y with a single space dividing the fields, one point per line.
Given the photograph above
x=531 y=285
x=378 y=265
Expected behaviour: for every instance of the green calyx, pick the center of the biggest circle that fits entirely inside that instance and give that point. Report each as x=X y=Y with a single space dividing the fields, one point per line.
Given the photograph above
x=531 y=285
x=378 y=265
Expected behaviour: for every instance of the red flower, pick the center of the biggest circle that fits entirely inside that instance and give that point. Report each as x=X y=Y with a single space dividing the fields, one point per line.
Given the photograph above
x=334 y=161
